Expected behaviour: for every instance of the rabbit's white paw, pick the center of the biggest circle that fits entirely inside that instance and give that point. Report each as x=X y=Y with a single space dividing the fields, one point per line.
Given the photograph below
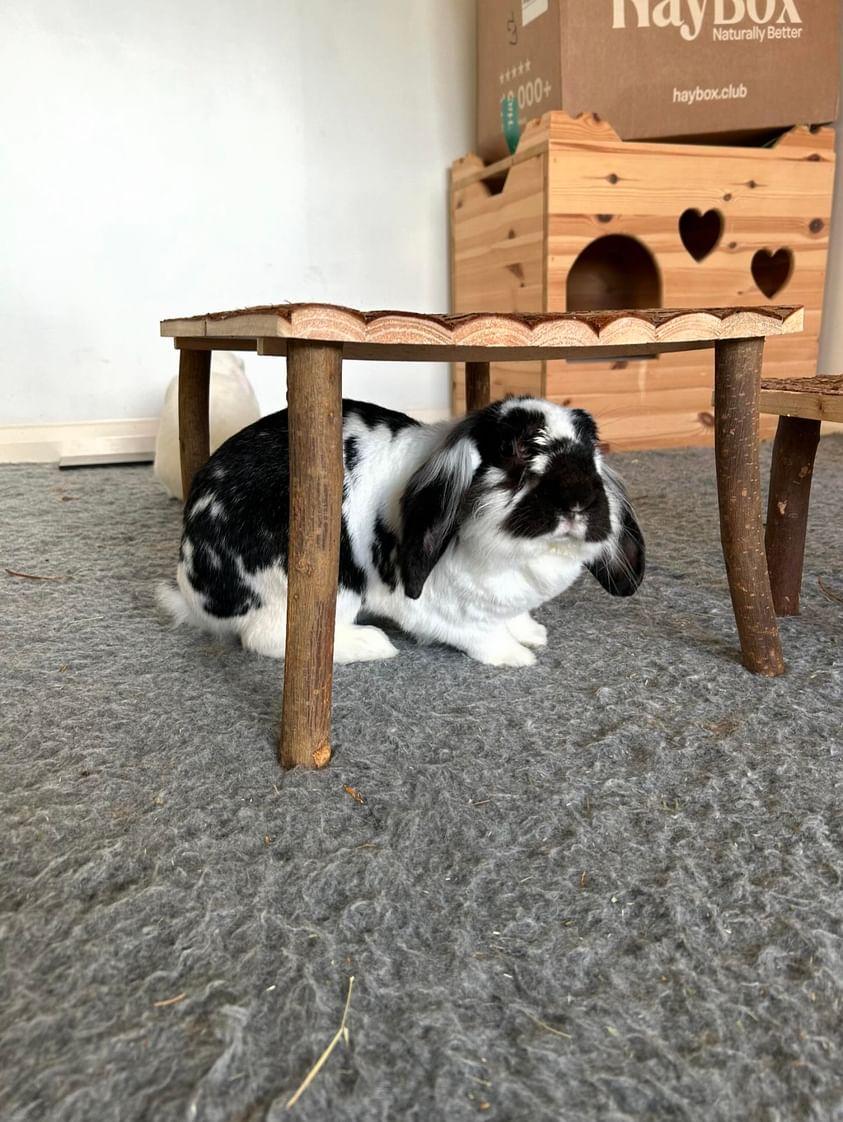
x=353 y=643
x=504 y=652
x=525 y=629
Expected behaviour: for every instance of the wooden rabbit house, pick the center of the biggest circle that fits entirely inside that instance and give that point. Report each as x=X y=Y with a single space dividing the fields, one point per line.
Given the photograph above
x=579 y=219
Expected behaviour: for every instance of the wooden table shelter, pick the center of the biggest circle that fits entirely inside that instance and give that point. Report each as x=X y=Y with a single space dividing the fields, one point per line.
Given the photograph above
x=316 y=338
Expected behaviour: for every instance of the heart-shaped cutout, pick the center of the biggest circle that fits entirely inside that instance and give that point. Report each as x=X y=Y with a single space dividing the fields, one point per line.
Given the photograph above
x=771 y=271
x=700 y=233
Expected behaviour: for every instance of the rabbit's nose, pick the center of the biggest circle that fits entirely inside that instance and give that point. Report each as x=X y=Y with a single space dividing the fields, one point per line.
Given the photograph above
x=572 y=524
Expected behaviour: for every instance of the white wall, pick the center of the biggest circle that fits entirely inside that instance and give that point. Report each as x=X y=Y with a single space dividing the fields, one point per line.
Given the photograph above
x=165 y=157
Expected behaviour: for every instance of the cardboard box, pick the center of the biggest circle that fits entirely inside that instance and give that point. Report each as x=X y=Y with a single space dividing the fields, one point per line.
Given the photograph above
x=658 y=68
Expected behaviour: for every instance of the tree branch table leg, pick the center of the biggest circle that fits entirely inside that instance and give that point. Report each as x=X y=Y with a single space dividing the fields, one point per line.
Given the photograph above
x=737 y=383
x=478 y=385
x=314 y=397
x=194 y=438
x=787 y=508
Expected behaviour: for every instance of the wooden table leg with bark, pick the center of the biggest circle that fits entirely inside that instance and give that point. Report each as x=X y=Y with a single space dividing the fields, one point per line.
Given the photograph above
x=194 y=425
x=314 y=401
x=737 y=383
x=794 y=450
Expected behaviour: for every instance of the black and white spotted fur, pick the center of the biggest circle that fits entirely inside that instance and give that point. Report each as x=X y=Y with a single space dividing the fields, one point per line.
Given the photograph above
x=455 y=531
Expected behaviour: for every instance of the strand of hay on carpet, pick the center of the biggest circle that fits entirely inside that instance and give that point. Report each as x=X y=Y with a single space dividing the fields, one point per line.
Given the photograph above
x=340 y=1034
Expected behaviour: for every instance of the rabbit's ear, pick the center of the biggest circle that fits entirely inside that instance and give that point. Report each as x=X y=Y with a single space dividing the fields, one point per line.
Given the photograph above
x=620 y=569
x=431 y=507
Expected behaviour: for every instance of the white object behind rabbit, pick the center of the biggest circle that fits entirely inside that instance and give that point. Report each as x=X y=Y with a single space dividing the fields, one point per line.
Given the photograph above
x=455 y=531
x=232 y=406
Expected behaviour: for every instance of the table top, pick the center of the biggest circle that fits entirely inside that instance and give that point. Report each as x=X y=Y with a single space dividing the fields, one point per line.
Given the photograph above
x=402 y=335
x=817 y=399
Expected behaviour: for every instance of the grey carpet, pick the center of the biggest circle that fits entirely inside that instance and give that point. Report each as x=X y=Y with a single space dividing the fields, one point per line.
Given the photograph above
x=605 y=888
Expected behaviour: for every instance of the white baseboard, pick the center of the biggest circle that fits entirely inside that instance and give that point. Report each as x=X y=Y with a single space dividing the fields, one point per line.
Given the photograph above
x=44 y=444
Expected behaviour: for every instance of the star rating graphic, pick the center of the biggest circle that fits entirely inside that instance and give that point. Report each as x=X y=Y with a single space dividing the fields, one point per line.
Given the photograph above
x=514 y=72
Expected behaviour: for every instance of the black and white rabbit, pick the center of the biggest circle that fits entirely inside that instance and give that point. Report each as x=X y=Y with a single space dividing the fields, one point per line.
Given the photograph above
x=455 y=531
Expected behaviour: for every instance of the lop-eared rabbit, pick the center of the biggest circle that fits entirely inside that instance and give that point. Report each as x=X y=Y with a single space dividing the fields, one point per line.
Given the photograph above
x=454 y=531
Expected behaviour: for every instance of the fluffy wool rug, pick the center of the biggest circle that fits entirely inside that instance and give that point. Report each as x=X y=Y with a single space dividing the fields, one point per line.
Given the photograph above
x=604 y=888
